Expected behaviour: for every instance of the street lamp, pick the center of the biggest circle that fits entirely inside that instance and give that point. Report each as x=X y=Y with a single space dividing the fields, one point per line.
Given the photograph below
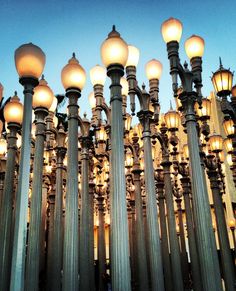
x=29 y=61
x=13 y=114
x=73 y=79
x=114 y=53
x=42 y=101
x=171 y=32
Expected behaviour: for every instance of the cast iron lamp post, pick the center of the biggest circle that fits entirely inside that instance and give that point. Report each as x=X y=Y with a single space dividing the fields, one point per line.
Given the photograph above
x=114 y=52
x=73 y=80
x=13 y=113
x=212 y=163
x=57 y=230
x=42 y=101
x=153 y=71
x=30 y=61
x=222 y=81
x=171 y=31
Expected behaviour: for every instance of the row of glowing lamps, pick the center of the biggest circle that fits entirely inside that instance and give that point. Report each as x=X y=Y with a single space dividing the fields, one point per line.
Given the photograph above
x=30 y=62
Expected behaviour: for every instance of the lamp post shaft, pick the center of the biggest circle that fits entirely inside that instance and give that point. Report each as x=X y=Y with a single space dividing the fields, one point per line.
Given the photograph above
x=20 y=230
x=70 y=250
x=174 y=245
x=164 y=238
x=196 y=276
x=32 y=262
x=120 y=266
x=142 y=274
x=201 y=210
x=226 y=258
x=6 y=209
x=101 y=245
x=155 y=258
x=57 y=230
x=84 y=256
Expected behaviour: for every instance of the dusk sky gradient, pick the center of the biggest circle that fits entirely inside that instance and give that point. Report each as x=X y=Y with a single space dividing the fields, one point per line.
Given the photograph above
x=63 y=27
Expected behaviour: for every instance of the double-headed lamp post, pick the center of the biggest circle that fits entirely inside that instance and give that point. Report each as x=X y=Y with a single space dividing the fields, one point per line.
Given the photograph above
x=194 y=46
x=30 y=61
x=73 y=79
x=13 y=114
x=114 y=53
x=42 y=101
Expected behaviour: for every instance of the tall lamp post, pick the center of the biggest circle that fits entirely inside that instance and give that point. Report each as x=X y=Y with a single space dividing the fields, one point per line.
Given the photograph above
x=153 y=71
x=13 y=113
x=114 y=52
x=42 y=101
x=171 y=32
x=30 y=61
x=222 y=80
x=73 y=80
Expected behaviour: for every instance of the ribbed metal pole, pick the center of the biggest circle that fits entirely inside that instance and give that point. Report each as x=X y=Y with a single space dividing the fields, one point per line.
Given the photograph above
x=91 y=230
x=20 y=230
x=173 y=239
x=32 y=262
x=57 y=230
x=142 y=274
x=154 y=246
x=201 y=209
x=120 y=269
x=71 y=245
x=101 y=245
x=196 y=275
x=164 y=237
x=183 y=252
x=6 y=212
x=226 y=258
x=50 y=230
x=84 y=255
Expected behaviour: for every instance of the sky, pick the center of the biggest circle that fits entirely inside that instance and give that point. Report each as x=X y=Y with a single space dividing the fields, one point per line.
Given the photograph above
x=63 y=27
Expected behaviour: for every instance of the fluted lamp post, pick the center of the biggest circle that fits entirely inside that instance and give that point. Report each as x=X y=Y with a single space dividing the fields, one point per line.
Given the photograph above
x=172 y=120
x=42 y=101
x=114 y=53
x=194 y=46
x=222 y=81
x=153 y=72
x=73 y=79
x=216 y=146
x=29 y=61
x=13 y=114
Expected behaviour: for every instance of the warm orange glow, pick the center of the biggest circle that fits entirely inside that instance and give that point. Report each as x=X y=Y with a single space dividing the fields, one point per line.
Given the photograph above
x=43 y=95
x=172 y=119
x=228 y=145
x=3 y=146
x=98 y=75
x=153 y=69
x=231 y=223
x=171 y=30
x=29 y=60
x=194 y=46
x=228 y=127
x=13 y=110
x=216 y=143
x=133 y=56
x=114 y=50
x=73 y=75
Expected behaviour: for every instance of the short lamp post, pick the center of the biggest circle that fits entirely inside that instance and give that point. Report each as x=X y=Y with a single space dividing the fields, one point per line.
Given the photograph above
x=13 y=114
x=114 y=53
x=30 y=61
x=73 y=79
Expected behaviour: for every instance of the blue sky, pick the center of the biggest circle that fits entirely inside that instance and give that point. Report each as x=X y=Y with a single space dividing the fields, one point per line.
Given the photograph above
x=63 y=27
